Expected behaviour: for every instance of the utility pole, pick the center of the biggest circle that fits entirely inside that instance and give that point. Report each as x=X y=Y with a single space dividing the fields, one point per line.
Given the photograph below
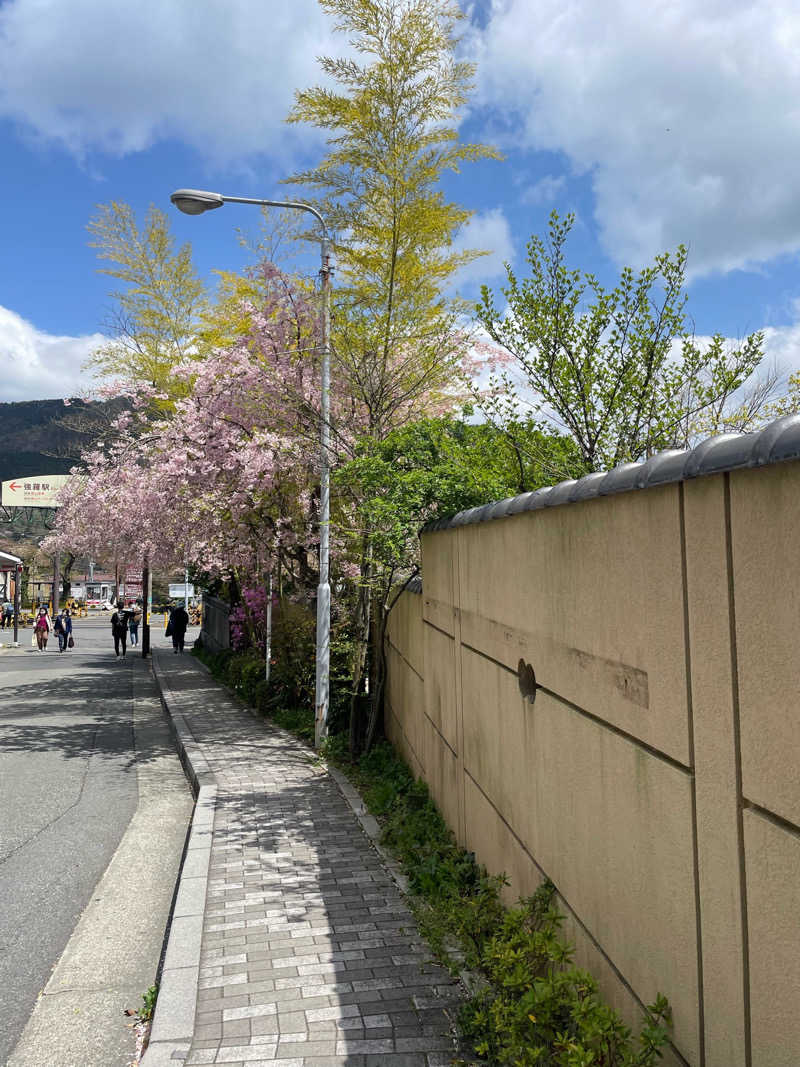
x=17 y=583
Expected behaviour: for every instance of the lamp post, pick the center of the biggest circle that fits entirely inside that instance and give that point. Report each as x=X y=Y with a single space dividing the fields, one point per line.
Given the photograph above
x=195 y=202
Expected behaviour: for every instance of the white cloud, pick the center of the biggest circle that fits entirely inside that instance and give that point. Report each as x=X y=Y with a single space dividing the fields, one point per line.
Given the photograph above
x=119 y=76
x=490 y=232
x=684 y=115
x=41 y=366
x=545 y=190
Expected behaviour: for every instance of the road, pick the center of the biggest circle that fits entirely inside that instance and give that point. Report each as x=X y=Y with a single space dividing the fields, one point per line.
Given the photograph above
x=83 y=746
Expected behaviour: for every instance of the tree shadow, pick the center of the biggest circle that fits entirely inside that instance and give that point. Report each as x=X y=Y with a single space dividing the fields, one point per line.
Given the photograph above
x=292 y=875
x=76 y=717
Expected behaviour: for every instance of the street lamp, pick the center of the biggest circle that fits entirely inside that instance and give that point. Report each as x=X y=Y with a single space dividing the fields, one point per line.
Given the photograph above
x=195 y=202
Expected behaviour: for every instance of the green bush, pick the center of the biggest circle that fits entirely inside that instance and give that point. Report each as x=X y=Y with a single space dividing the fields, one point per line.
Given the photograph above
x=534 y=1007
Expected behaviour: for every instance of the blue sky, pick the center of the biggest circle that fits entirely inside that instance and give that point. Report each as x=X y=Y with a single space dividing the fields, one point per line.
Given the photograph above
x=656 y=124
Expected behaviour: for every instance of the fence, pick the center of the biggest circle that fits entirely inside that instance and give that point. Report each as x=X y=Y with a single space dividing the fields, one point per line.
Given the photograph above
x=216 y=629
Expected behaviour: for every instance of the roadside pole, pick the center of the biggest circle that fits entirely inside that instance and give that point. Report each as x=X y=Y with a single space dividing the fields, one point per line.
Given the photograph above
x=56 y=583
x=269 y=627
x=17 y=581
x=147 y=597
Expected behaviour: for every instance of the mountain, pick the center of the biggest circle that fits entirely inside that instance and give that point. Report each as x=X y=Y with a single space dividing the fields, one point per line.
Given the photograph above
x=48 y=436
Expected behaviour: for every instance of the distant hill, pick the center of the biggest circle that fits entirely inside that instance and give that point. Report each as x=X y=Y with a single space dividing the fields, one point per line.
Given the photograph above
x=48 y=436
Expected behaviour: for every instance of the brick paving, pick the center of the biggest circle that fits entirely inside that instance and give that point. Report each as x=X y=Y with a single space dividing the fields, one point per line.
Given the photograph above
x=309 y=956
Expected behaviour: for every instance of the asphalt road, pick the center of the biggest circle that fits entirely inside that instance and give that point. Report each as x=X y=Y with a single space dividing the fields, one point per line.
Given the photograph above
x=70 y=765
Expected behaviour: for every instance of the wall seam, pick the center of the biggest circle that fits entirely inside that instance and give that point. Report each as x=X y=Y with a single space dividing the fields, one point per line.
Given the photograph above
x=772 y=817
x=406 y=738
x=567 y=904
x=394 y=647
x=438 y=629
x=748 y=1049
x=612 y=728
x=701 y=1020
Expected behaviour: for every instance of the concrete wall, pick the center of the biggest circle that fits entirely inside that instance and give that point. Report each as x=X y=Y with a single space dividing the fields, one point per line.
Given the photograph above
x=655 y=776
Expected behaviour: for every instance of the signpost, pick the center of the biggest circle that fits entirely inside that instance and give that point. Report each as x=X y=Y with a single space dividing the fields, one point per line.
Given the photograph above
x=181 y=591
x=36 y=491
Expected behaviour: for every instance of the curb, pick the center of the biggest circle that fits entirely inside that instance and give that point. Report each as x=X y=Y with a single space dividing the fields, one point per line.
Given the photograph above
x=174 y=1017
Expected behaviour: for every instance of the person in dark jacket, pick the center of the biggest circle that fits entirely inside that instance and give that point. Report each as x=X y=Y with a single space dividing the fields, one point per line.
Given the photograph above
x=178 y=621
x=62 y=628
x=119 y=630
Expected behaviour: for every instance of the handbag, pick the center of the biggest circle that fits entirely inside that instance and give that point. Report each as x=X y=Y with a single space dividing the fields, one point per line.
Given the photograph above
x=70 y=642
x=33 y=640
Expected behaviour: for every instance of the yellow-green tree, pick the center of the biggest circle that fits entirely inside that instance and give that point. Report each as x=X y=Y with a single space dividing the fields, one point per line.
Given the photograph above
x=391 y=136
x=156 y=316
x=389 y=114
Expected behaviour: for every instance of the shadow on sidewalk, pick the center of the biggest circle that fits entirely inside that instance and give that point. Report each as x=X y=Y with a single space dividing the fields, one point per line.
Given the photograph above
x=301 y=901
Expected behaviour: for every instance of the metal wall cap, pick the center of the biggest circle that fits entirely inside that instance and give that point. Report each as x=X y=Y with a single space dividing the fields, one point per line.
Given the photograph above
x=483 y=513
x=729 y=455
x=538 y=498
x=587 y=487
x=701 y=459
x=463 y=517
x=663 y=467
x=620 y=478
x=560 y=493
x=520 y=503
x=780 y=440
x=500 y=509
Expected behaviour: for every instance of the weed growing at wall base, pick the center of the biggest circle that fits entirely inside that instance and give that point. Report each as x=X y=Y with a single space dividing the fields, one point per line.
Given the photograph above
x=533 y=1008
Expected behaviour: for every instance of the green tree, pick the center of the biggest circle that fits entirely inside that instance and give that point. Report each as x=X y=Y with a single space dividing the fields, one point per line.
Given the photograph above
x=427 y=470
x=620 y=370
x=155 y=319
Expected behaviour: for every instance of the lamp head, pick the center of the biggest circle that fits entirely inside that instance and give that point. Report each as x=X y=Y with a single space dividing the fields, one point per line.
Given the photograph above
x=196 y=201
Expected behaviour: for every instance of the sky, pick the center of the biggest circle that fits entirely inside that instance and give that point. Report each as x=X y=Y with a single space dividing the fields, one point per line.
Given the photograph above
x=655 y=123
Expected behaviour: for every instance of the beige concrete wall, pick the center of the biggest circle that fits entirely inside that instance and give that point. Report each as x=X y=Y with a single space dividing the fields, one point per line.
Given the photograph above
x=656 y=777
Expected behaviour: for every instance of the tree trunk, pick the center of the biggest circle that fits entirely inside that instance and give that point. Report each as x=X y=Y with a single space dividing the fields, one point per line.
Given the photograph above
x=362 y=628
x=66 y=576
x=378 y=685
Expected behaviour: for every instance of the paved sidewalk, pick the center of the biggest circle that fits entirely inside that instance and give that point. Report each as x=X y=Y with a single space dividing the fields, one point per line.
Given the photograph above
x=290 y=944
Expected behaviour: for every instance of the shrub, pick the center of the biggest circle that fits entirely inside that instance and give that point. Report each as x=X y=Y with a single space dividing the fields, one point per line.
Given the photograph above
x=534 y=1007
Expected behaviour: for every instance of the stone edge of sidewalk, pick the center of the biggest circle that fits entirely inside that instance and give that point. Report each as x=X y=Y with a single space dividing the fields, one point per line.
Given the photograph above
x=174 y=1017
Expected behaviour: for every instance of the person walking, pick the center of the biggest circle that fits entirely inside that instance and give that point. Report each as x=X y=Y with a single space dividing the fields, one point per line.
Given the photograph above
x=62 y=628
x=119 y=630
x=178 y=621
x=8 y=614
x=133 y=625
x=41 y=629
